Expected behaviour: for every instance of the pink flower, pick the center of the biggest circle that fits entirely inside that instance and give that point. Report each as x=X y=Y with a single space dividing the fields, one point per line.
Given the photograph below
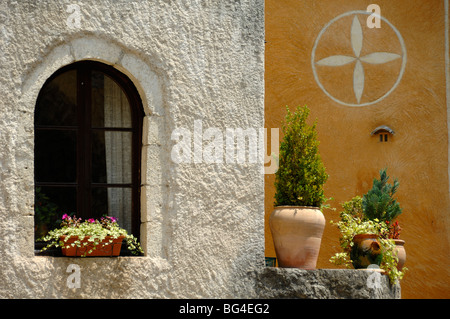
x=91 y=220
x=110 y=218
x=65 y=216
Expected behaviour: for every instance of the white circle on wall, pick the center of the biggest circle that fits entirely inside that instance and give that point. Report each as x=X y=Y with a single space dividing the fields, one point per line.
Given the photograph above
x=357 y=42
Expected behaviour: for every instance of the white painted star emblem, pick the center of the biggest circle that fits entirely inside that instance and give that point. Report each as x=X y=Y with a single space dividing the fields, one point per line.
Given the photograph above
x=357 y=40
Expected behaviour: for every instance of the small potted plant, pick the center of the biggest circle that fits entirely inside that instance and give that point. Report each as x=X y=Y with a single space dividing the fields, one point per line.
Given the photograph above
x=379 y=204
x=297 y=222
x=394 y=234
x=91 y=237
x=359 y=237
x=45 y=214
x=365 y=242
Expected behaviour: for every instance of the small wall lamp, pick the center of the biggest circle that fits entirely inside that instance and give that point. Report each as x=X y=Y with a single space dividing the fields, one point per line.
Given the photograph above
x=383 y=131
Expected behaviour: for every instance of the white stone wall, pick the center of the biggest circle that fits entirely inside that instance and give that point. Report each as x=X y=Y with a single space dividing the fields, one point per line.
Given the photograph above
x=191 y=60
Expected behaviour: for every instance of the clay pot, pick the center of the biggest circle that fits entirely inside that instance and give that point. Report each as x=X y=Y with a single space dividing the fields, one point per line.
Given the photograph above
x=41 y=230
x=297 y=233
x=366 y=251
x=401 y=253
x=111 y=249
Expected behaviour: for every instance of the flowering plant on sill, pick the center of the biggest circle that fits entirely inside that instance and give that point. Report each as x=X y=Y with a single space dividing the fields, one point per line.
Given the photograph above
x=95 y=230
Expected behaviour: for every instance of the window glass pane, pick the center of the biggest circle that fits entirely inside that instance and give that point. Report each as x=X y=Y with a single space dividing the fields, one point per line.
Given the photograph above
x=113 y=201
x=110 y=107
x=50 y=204
x=99 y=202
x=111 y=157
x=55 y=156
x=57 y=104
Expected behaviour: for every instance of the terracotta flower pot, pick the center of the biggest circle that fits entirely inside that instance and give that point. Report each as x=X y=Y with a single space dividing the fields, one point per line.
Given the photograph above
x=297 y=233
x=401 y=253
x=366 y=251
x=104 y=248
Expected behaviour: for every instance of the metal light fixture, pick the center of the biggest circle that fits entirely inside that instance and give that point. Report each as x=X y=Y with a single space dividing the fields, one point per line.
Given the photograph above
x=383 y=131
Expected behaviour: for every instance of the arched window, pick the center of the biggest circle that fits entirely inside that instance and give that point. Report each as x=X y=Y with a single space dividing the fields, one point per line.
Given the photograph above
x=88 y=131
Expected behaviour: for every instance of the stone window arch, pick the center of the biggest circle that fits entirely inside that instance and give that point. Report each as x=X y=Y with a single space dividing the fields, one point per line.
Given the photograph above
x=149 y=78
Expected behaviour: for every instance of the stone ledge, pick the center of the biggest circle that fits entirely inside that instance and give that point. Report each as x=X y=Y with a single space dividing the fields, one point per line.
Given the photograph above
x=279 y=283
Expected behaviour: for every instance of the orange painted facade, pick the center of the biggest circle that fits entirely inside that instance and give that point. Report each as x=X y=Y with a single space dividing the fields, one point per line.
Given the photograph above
x=355 y=78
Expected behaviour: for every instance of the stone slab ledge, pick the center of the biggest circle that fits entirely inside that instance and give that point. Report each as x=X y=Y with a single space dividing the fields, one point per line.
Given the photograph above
x=278 y=283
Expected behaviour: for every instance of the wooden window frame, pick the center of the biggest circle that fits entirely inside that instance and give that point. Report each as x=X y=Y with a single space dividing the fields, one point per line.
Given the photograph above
x=84 y=131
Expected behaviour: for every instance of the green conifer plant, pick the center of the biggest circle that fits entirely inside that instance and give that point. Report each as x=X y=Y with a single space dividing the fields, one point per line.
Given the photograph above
x=301 y=174
x=379 y=202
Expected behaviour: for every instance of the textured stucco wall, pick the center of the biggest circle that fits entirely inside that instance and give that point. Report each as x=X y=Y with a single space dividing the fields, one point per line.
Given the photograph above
x=301 y=33
x=203 y=224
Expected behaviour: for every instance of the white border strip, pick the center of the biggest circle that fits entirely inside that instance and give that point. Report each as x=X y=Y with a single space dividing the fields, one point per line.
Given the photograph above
x=447 y=83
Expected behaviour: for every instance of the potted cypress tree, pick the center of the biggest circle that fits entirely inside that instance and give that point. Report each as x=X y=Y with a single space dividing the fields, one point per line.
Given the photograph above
x=297 y=222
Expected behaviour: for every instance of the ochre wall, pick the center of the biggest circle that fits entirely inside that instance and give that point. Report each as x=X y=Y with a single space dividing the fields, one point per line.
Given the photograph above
x=416 y=109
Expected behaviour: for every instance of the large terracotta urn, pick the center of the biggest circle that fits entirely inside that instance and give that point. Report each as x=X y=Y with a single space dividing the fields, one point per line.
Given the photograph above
x=297 y=233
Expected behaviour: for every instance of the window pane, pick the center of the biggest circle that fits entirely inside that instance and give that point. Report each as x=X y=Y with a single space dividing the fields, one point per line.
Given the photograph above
x=110 y=107
x=57 y=104
x=114 y=202
x=55 y=156
x=111 y=157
